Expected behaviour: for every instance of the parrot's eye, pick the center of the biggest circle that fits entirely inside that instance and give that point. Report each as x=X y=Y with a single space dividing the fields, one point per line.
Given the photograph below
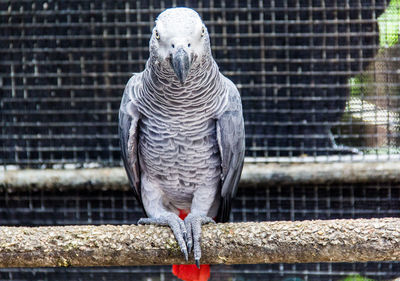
x=203 y=31
x=157 y=35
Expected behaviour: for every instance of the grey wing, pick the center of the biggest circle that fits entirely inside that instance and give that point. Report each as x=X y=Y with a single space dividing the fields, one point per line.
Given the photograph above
x=231 y=141
x=128 y=136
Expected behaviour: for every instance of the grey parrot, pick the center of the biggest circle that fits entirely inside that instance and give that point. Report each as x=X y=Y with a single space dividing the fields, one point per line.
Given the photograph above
x=181 y=131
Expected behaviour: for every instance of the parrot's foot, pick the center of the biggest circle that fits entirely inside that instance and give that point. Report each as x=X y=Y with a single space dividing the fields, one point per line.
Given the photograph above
x=193 y=225
x=177 y=226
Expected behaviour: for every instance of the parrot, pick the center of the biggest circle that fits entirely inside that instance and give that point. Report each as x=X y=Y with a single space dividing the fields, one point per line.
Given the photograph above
x=181 y=131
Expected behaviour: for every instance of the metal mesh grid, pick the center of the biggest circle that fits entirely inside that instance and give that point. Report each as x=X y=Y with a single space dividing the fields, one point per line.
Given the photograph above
x=312 y=74
x=274 y=203
x=276 y=272
x=343 y=201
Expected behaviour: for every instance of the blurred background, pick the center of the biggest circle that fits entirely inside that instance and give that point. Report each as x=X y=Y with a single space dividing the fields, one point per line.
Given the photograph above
x=319 y=81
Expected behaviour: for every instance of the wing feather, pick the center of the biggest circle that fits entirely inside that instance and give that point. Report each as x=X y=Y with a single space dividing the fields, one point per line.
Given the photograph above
x=128 y=134
x=231 y=141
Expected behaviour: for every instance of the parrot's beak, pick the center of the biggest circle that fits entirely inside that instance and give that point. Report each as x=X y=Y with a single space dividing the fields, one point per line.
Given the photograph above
x=180 y=64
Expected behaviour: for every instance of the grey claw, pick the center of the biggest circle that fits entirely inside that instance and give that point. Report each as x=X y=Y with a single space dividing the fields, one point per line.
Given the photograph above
x=185 y=253
x=197 y=263
x=185 y=237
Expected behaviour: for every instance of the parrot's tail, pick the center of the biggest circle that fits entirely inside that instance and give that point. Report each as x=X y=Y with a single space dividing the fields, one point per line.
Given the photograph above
x=190 y=272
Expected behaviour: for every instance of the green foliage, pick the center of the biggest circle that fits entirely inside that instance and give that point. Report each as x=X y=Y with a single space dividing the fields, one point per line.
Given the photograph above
x=355 y=87
x=389 y=25
x=361 y=85
x=382 y=150
x=356 y=277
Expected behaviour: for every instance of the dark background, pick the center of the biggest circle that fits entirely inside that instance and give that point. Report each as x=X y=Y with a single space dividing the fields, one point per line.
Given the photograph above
x=64 y=65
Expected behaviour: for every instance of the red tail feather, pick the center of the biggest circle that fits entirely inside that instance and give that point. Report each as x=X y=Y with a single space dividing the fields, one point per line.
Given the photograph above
x=190 y=272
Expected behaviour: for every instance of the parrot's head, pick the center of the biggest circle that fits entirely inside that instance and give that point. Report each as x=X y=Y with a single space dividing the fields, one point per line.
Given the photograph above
x=179 y=40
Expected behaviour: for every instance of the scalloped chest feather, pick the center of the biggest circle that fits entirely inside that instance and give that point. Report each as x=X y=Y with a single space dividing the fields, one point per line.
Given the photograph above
x=178 y=145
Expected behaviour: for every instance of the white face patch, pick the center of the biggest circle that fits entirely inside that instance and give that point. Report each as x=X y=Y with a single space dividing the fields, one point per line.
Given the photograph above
x=179 y=28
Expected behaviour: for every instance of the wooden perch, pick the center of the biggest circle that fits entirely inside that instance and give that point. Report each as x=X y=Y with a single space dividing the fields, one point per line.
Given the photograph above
x=231 y=243
x=254 y=175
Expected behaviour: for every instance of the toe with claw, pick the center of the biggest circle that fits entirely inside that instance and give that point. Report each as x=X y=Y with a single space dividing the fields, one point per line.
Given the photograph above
x=193 y=225
x=177 y=226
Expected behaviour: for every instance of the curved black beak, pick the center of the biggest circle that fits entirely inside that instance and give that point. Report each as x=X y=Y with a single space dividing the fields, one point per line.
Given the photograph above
x=180 y=64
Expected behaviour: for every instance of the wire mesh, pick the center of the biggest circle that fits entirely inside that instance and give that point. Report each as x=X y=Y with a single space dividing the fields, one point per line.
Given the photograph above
x=343 y=201
x=316 y=77
x=287 y=272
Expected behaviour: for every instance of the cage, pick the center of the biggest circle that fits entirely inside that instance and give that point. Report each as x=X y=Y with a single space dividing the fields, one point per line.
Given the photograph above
x=319 y=84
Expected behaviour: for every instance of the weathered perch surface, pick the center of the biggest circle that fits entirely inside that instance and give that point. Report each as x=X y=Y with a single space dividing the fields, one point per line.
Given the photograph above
x=253 y=175
x=231 y=243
